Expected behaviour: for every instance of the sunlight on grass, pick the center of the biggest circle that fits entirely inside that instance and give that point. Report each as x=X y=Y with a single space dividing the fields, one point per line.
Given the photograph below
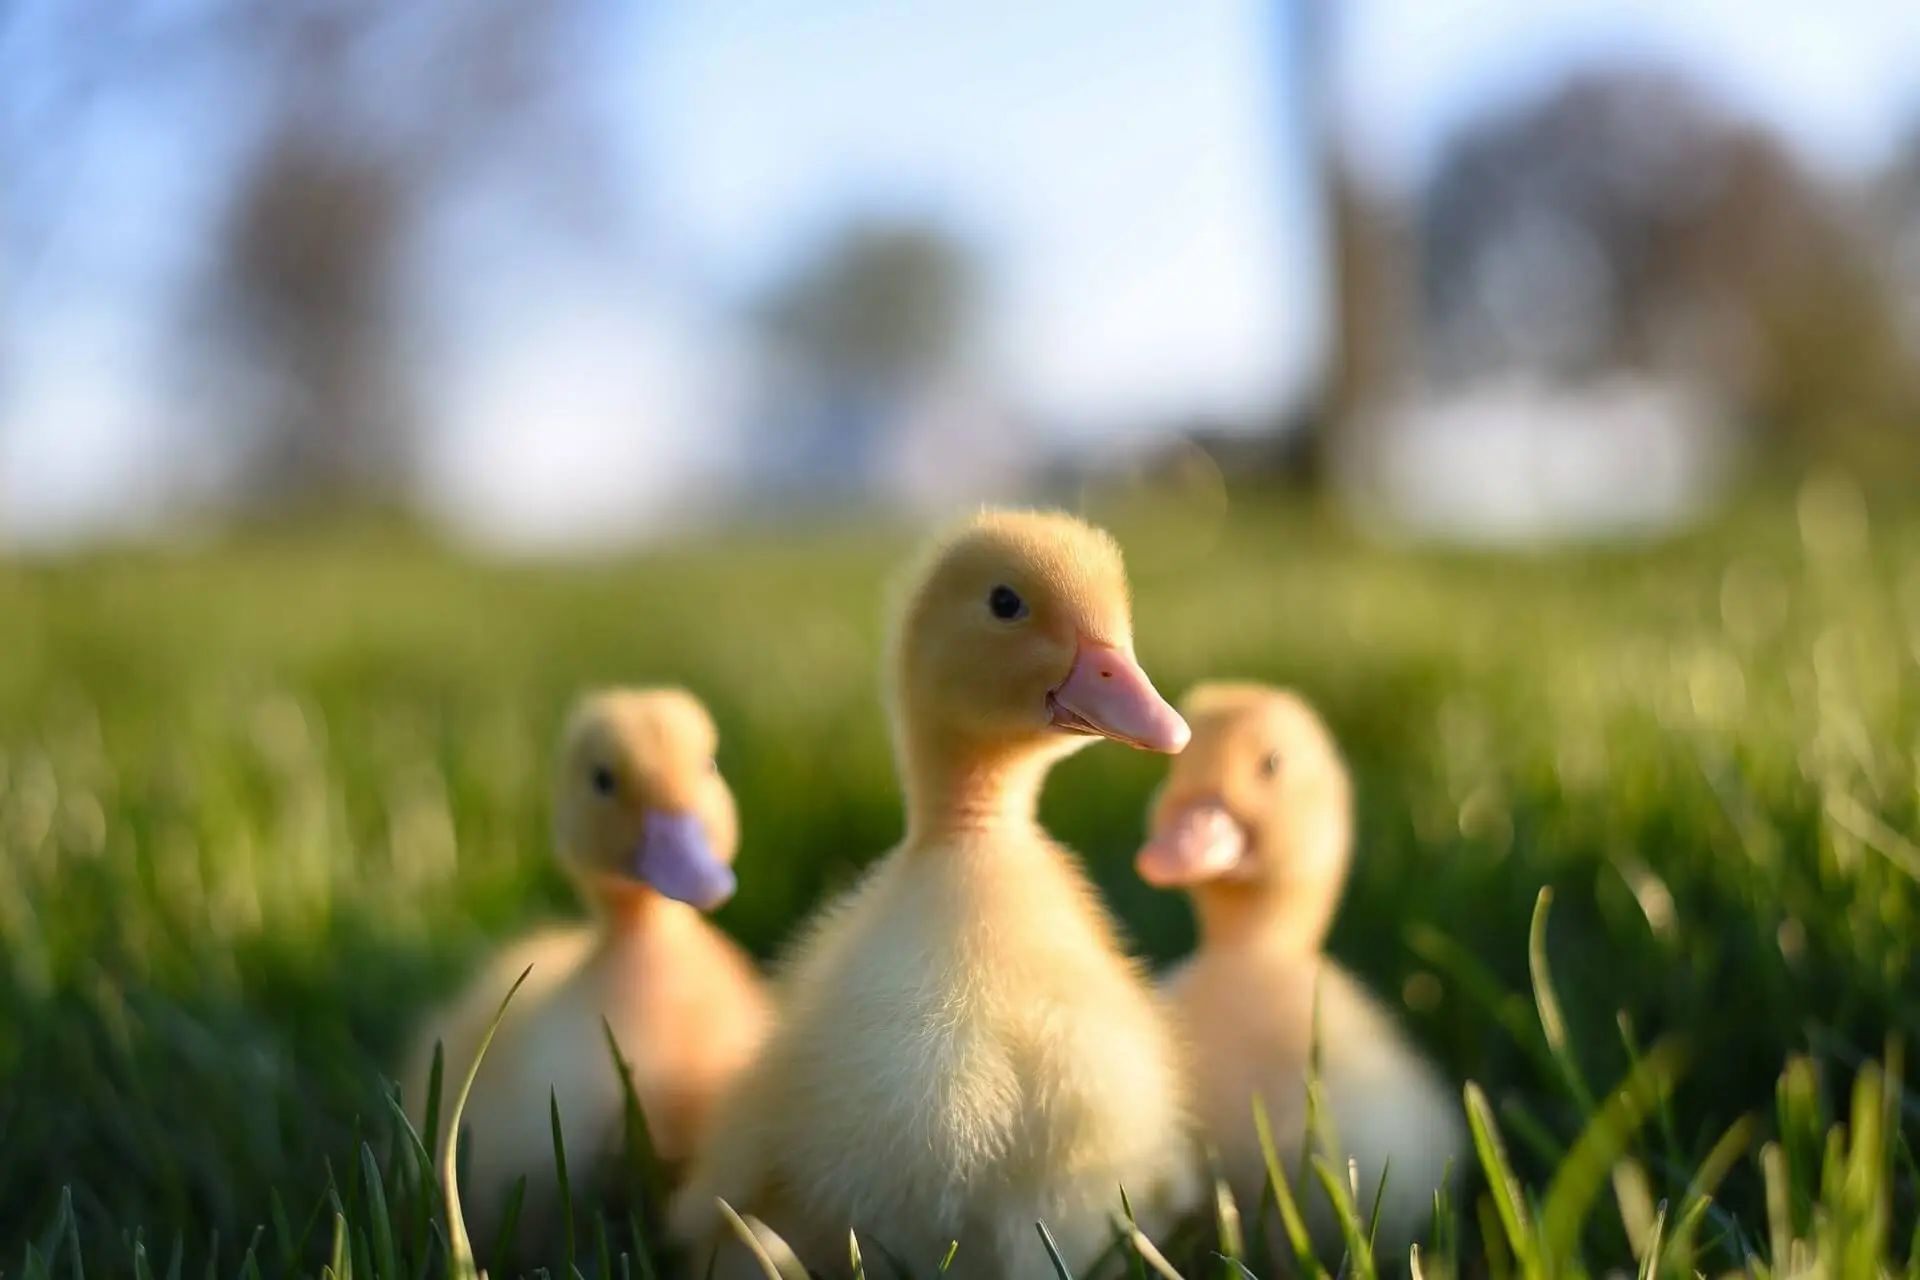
x=1621 y=814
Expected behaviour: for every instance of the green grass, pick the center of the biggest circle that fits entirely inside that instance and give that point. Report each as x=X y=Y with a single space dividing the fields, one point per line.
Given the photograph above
x=260 y=805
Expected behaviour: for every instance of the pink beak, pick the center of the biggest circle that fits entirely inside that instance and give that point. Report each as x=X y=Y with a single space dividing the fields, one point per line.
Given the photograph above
x=1108 y=694
x=1201 y=842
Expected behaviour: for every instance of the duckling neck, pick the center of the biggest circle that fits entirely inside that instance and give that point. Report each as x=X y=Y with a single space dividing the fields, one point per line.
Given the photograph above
x=974 y=794
x=1242 y=916
x=626 y=910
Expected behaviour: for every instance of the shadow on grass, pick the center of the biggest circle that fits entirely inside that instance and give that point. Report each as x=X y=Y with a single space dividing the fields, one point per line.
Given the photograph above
x=200 y=1116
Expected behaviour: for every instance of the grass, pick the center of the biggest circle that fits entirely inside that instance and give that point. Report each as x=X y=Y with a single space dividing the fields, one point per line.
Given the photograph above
x=260 y=804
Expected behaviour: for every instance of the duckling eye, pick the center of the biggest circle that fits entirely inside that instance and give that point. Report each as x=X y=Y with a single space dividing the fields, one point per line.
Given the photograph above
x=1006 y=604
x=1270 y=767
x=603 y=780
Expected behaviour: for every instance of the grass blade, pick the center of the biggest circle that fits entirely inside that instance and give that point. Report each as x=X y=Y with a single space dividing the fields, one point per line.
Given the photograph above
x=341 y=1267
x=560 y=1175
x=1719 y=1161
x=55 y=1236
x=1136 y=1264
x=1633 y=1196
x=787 y=1267
x=1359 y=1252
x=462 y=1261
x=651 y=1171
x=1444 y=1243
x=1295 y=1226
x=1778 y=1213
x=1580 y=1177
x=312 y=1224
x=899 y=1268
x=1669 y=1131
x=507 y=1234
x=1553 y=1023
x=436 y=1078
x=640 y=1249
x=1144 y=1249
x=1483 y=988
x=1507 y=1201
x=1379 y=1200
x=250 y=1261
x=1226 y=1216
x=1493 y=1239
x=414 y=1174
x=73 y=1234
x=1059 y=1263
x=386 y=1259
x=142 y=1269
x=1649 y=1266
x=282 y=1232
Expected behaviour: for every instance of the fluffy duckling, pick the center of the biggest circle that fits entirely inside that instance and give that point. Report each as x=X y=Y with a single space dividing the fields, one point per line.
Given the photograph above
x=645 y=826
x=1255 y=822
x=964 y=1049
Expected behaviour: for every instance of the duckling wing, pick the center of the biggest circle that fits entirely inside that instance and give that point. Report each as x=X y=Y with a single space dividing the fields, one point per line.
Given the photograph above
x=457 y=1027
x=1391 y=1107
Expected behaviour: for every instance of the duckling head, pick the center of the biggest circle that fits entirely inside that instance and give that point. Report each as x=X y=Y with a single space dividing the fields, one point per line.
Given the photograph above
x=1255 y=818
x=641 y=809
x=1017 y=636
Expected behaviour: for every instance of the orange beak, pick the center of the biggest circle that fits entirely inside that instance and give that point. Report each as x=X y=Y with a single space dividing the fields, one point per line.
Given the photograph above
x=1107 y=694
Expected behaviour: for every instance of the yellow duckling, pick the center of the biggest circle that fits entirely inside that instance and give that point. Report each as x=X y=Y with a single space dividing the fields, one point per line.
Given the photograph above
x=645 y=825
x=964 y=1049
x=1255 y=820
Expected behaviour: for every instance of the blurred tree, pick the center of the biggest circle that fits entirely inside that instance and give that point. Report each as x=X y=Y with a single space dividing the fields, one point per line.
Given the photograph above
x=302 y=297
x=880 y=313
x=1367 y=313
x=882 y=304
x=377 y=114
x=371 y=117
x=1628 y=221
x=1896 y=211
x=1362 y=318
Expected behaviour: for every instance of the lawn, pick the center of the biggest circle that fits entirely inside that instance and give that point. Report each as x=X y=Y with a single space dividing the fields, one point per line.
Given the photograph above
x=260 y=804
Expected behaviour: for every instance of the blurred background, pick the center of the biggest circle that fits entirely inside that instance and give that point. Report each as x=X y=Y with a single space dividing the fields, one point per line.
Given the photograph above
x=578 y=273
x=1533 y=383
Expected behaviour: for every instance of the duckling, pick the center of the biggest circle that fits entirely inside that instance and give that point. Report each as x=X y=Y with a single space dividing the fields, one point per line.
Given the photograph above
x=964 y=1050
x=645 y=826
x=1255 y=822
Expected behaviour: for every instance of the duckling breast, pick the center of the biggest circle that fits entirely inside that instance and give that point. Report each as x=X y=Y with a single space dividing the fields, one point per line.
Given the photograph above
x=977 y=1067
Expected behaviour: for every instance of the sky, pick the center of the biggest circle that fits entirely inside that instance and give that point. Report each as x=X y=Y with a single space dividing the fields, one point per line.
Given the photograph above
x=1123 y=170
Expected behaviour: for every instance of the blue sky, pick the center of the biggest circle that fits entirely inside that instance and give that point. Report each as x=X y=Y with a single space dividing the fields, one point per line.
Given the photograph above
x=1122 y=168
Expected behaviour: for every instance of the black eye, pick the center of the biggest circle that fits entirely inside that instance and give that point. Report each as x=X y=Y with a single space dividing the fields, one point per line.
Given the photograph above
x=1006 y=604
x=1270 y=767
x=603 y=779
